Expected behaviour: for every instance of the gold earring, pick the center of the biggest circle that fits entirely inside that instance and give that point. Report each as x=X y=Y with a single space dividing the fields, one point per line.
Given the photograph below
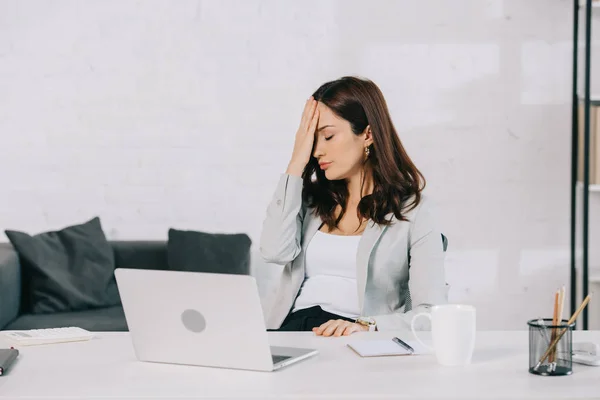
x=367 y=151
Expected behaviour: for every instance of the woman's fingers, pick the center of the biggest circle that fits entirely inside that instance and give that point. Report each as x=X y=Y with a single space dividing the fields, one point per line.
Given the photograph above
x=323 y=327
x=319 y=329
x=337 y=327
x=306 y=114
x=339 y=331
x=351 y=329
x=313 y=123
x=331 y=328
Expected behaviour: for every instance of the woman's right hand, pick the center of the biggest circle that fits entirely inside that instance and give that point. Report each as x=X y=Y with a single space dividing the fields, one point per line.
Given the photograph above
x=305 y=137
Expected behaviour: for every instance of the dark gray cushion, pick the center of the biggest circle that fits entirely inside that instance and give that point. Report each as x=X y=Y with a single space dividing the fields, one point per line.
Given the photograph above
x=67 y=270
x=209 y=252
x=100 y=319
x=140 y=254
x=10 y=284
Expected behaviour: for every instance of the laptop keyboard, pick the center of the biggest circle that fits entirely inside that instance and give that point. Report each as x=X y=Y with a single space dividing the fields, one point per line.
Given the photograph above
x=277 y=359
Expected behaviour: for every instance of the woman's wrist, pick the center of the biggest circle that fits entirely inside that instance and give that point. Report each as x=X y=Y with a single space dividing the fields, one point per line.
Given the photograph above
x=368 y=324
x=295 y=169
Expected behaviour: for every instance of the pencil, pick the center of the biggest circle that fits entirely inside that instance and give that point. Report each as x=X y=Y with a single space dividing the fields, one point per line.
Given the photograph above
x=561 y=306
x=554 y=321
x=561 y=303
x=571 y=320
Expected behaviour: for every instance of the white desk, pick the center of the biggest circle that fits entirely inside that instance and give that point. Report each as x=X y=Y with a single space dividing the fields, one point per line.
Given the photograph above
x=106 y=368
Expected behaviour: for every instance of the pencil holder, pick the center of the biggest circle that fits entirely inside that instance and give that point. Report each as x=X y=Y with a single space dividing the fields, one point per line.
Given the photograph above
x=550 y=347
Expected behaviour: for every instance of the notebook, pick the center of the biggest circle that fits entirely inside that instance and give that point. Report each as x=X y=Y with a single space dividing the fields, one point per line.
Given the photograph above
x=386 y=347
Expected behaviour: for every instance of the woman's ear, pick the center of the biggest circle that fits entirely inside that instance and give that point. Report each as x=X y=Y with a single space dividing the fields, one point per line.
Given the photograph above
x=368 y=136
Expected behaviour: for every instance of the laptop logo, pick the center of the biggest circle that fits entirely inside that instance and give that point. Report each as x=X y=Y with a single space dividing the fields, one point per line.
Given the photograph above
x=193 y=321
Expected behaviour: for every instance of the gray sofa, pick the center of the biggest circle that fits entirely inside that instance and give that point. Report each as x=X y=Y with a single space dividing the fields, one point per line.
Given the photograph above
x=128 y=254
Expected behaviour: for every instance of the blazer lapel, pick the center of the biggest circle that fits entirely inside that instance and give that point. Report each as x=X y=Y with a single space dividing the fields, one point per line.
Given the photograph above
x=369 y=238
x=310 y=227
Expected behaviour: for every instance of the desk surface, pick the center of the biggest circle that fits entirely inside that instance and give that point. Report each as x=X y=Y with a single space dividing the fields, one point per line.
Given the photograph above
x=106 y=367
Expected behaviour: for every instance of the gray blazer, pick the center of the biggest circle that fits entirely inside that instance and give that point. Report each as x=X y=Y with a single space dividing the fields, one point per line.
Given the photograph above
x=399 y=268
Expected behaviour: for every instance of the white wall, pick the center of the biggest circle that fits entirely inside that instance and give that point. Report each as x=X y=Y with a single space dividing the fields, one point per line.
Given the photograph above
x=161 y=114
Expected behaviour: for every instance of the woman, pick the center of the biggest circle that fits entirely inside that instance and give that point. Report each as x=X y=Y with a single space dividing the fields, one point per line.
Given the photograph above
x=349 y=222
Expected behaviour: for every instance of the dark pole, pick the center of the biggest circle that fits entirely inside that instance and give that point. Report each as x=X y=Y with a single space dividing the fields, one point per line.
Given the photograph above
x=586 y=156
x=574 y=156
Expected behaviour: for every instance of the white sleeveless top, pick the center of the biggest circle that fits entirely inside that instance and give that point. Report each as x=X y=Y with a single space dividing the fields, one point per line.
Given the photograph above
x=330 y=276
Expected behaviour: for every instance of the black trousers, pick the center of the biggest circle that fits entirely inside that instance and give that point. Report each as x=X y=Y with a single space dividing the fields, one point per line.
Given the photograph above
x=308 y=318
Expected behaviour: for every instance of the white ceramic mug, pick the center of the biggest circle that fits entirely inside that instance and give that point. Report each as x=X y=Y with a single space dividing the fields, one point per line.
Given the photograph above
x=452 y=331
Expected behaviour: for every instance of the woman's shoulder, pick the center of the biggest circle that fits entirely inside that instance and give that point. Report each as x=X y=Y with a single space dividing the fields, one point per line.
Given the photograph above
x=424 y=202
x=423 y=214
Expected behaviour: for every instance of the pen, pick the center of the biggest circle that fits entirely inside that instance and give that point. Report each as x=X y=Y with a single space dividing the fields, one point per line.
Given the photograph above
x=403 y=344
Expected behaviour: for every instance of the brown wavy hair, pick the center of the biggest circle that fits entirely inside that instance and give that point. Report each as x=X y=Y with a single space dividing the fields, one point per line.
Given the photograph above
x=397 y=183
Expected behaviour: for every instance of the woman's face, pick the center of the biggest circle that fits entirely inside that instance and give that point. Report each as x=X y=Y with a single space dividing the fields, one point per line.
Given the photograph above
x=338 y=150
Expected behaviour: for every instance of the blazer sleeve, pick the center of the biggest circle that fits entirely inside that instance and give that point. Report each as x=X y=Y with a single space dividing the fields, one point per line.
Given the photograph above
x=427 y=278
x=281 y=235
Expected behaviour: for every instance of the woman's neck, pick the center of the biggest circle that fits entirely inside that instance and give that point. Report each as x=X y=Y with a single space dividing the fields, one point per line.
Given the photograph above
x=360 y=185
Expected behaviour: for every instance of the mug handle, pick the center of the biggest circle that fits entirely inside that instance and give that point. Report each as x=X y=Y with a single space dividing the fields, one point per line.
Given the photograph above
x=412 y=328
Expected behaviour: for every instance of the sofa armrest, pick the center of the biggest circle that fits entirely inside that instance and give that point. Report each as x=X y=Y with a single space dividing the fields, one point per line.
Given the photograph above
x=10 y=284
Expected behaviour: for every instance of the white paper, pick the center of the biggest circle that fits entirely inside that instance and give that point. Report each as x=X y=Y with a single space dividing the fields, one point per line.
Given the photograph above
x=386 y=347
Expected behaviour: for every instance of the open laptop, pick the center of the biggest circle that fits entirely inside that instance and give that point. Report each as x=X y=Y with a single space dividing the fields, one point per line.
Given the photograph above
x=201 y=319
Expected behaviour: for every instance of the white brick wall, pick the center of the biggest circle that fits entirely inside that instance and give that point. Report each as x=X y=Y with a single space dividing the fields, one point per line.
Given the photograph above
x=156 y=114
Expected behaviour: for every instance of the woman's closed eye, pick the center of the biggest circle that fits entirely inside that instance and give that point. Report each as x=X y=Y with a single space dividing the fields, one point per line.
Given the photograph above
x=328 y=137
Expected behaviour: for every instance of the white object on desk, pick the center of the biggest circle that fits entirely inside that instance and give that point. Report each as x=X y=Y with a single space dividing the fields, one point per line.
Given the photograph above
x=387 y=347
x=587 y=353
x=452 y=331
x=197 y=318
x=48 y=336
